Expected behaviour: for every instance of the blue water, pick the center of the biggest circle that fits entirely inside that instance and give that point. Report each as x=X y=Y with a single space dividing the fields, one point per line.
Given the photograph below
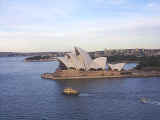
x=25 y=96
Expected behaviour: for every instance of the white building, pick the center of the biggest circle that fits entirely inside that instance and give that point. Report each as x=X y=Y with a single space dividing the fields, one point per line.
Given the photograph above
x=80 y=59
x=117 y=67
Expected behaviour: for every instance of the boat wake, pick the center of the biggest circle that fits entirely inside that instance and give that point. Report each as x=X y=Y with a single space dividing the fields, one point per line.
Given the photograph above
x=146 y=101
x=84 y=94
x=155 y=103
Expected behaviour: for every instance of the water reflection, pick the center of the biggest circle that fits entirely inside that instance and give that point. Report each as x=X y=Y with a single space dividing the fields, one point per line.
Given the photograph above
x=130 y=66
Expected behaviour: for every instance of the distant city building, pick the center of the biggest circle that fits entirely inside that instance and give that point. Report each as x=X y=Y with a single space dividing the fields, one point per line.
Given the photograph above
x=132 y=52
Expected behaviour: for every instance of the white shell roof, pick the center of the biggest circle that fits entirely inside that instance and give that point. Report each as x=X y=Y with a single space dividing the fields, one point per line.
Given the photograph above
x=99 y=63
x=118 y=66
x=83 y=57
x=66 y=62
x=80 y=59
x=76 y=63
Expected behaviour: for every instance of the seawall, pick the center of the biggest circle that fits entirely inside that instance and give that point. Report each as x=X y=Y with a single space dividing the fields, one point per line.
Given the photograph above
x=64 y=75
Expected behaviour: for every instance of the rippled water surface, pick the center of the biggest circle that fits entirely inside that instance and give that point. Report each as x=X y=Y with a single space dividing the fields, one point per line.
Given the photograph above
x=25 y=96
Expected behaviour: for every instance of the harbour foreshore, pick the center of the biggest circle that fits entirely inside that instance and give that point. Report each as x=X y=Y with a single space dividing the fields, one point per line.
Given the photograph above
x=65 y=75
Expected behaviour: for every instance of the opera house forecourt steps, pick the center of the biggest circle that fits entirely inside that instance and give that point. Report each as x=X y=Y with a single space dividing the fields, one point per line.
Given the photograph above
x=79 y=65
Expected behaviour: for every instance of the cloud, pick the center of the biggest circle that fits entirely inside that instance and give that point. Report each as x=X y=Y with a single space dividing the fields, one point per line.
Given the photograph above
x=112 y=2
x=53 y=24
x=154 y=6
x=128 y=33
x=40 y=12
x=151 y=5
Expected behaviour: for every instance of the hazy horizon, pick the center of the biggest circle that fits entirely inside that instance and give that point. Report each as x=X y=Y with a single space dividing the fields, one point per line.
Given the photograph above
x=59 y=25
x=70 y=50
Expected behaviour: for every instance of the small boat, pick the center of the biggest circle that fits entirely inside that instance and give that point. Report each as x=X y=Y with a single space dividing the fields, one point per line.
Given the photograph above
x=70 y=91
x=143 y=100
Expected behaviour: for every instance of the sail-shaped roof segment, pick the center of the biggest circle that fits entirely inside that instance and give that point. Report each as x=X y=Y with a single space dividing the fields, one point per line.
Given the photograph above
x=75 y=61
x=65 y=61
x=83 y=57
x=70 y=60
x=118 y=66
x=99 y=63
x=80 y=59
x=94 y=65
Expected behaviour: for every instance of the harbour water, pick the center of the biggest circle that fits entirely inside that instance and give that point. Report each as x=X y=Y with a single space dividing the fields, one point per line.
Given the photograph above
x=25 y=96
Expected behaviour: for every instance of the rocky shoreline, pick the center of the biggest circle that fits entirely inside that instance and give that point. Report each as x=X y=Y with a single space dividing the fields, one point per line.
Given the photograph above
x=72 y=74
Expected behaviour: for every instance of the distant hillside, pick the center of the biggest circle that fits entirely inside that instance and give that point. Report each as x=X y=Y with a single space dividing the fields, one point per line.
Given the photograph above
x=12 y=54
x=149 y=63
x=40 y=59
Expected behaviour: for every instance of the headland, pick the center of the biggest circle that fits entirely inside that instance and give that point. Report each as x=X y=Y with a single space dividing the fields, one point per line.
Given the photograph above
x=79 y=65
x=40 y=59
x=73 y=74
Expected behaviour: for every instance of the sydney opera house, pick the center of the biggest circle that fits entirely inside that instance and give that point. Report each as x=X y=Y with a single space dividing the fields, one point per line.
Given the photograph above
x=79 y=65
x=79 y=59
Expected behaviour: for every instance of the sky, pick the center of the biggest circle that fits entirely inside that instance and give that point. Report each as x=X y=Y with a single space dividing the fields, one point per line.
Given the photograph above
x=59 y=25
